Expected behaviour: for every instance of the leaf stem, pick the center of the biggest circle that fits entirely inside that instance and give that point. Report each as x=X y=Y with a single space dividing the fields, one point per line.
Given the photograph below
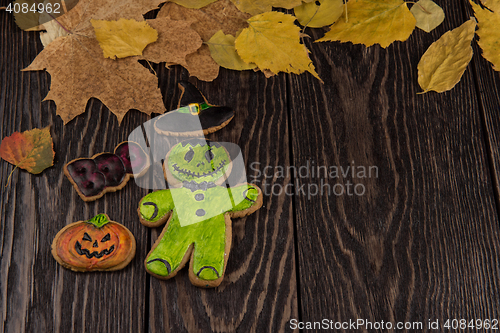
x=151 y=67
x=316 y=12
x=17 y=165
x=425 y=10
x=421 y=7
x=10 y=176
x=346 y=18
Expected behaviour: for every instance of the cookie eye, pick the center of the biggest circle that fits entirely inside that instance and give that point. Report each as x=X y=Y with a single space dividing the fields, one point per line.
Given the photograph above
x=189 y=155
x=209 y=155
x=86 y=237
x=106 y=238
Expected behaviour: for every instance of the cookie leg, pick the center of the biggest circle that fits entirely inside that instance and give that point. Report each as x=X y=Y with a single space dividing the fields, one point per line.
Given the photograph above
x=170 y=252
x=211 y=250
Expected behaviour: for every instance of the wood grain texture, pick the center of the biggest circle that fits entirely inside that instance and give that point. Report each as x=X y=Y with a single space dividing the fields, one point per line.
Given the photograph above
x=488 y=89
x=259 y=290
x=36 y=293
x=258 y=293
x=422 y=242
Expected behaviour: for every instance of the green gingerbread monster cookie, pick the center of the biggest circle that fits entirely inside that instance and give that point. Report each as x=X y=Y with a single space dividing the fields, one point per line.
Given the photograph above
x=198 y=213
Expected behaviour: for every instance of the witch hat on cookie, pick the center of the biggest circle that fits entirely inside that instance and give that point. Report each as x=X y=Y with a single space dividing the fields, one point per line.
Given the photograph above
x=194 y=116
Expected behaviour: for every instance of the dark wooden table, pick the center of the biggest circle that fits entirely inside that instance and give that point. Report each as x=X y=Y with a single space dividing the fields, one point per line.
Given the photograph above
x=421 y=244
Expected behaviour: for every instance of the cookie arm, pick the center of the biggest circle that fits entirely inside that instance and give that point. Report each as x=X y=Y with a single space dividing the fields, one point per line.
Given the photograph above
x=155 y=208
x=245 y=198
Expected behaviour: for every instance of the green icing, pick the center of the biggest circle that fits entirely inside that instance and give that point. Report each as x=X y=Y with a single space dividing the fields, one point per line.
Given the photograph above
x=163 y=201
x=187 y=162
x=208 y=238
x=99 y=220
x=184 y=109
x=204 y=106
x=207 y=232
x=193 y=108
x=243 y=197
x=216 y=201
x=198 y=216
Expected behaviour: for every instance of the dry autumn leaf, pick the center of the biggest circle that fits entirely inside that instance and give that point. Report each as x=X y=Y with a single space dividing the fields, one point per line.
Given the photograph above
x=221 y=15
x=30 y=150
x=428 y=15
x=201 y=64
x=223 y=51
x=494 y=5
x=489 y=34
x=193 y=3
x=272 y=42
x=319 y=13
x=123 y=38
x=443 y=64
x=373 y=22
x=255 y=7
x=80 y=72
x=172 y=47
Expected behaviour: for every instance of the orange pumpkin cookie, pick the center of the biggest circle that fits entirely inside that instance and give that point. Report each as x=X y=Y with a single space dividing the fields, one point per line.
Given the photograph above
x=94 y=245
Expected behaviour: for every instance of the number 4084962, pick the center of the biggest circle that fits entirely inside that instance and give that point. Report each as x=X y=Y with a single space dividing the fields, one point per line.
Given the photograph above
x=487 y=324
x=25 y=8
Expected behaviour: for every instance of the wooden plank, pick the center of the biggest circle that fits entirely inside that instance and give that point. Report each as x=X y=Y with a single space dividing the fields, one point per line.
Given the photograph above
x=258 y=293
x=488 y=84
x=38 y=295
x=421 y=243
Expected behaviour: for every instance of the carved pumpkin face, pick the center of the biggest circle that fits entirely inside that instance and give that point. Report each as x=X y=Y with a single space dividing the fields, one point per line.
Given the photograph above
x=96 y=244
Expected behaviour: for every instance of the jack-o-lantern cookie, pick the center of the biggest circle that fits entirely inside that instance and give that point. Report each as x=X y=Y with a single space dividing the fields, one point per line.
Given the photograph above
x=198 y=213
x=94 y=245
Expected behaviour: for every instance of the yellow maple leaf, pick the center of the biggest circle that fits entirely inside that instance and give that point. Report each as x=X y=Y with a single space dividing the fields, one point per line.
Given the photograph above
x=224 y=53
x=443 y=64
x=489 y=34
x=272 y=42
x=319 y=13
x=255 y=7
x=123 y=38
x=373 y=22
x=428 y=15
x=494 y=5
x=193 y=3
